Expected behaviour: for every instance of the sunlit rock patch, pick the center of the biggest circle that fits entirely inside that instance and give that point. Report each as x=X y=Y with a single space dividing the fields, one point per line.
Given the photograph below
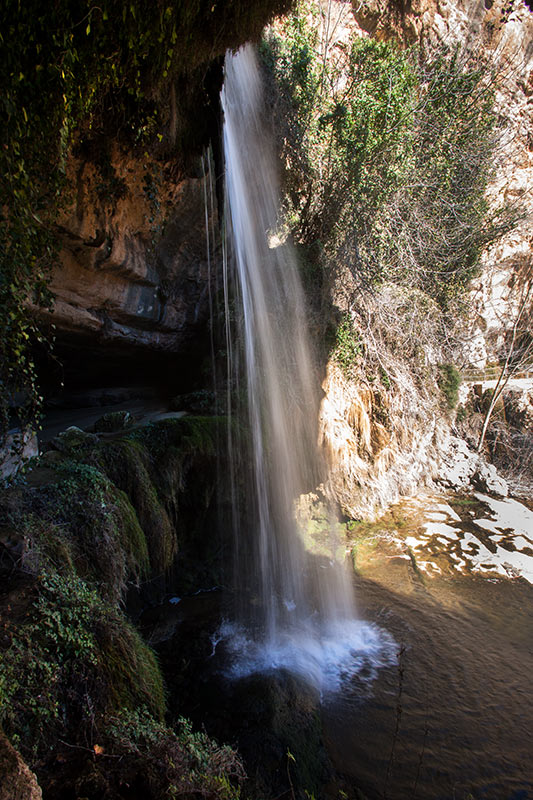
x=450 y=534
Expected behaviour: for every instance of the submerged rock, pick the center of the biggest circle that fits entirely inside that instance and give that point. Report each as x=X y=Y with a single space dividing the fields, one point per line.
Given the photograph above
x=281 y=733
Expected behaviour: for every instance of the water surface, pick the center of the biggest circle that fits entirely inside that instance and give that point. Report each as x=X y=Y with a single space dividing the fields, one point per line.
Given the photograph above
x=450 y=580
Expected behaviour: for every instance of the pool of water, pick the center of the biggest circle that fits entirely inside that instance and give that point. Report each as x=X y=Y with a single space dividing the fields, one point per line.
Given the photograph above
x=449 y=577
x=433 y=697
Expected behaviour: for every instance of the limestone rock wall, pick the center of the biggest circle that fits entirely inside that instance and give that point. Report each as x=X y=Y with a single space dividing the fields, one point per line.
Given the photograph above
x=380 y=445
x=387 y=444
x=133 y=268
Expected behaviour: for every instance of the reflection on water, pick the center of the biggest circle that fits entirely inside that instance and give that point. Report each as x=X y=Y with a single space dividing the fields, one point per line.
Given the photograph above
x=450 y=579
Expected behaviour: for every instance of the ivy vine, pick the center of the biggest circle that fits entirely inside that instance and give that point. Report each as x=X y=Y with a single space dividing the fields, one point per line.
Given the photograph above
x=74 y=70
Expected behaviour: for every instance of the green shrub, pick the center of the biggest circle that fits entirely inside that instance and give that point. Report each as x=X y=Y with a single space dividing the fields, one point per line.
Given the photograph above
x=50 y=661
x=176 y=763
x=387 y=156
x=70 y=661
x=348 y=349
x=449 y=382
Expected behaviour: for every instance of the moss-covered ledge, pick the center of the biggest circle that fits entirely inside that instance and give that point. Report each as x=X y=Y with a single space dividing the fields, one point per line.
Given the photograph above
x=81 y=693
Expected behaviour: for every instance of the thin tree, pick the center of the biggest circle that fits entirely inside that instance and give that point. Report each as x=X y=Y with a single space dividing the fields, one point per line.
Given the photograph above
x=519 y=351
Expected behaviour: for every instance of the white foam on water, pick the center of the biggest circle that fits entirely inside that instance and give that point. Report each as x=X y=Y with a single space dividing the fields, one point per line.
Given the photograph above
x=326 y=657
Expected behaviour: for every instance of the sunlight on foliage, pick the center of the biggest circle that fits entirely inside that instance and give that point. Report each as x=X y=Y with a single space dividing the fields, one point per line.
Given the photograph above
x=386 y=155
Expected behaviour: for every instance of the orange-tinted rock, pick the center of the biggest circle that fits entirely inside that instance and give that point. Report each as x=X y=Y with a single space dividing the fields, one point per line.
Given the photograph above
x=17 y=781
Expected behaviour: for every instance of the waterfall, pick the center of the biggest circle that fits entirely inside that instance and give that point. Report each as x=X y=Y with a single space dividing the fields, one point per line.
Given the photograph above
x=296 y=602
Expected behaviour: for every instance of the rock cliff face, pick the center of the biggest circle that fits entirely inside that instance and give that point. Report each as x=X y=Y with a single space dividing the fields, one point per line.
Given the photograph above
x=134 y=274
x=133 y=269
x=132 y=278
x=378 y=446
x=381 y=447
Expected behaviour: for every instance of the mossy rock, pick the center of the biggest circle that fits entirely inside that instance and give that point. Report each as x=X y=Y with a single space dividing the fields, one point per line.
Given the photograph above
x=73 y=440
x=69 y=662
x=114 y=422
x=76 y=520
x=200 y=402
x=128 y=465
x=131 y=669
x=281 y=735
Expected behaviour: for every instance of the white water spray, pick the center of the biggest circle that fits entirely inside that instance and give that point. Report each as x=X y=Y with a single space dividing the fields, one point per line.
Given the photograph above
x=297 y=607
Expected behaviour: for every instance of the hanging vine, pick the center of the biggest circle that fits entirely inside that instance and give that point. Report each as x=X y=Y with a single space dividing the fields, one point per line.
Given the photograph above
x=69 y=70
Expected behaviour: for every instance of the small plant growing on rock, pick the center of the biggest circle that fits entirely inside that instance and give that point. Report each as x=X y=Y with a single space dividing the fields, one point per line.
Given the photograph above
x=176 y=762
x=347 y=350
x=449 y=382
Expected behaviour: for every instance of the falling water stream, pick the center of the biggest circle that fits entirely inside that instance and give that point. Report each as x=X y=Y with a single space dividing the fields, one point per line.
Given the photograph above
x=441 y=711
x=297 y=607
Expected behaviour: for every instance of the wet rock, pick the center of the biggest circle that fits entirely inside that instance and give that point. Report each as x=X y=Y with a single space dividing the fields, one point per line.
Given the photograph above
x=281 y=734
x=128 y=277
x=200 y=402
x=17 y=450
x=17 y=782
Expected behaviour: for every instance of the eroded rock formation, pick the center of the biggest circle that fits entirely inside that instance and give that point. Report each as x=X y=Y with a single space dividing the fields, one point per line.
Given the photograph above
x=133 y=269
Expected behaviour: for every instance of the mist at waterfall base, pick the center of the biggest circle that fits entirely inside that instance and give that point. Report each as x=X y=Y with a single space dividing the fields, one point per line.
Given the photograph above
x=295 y=607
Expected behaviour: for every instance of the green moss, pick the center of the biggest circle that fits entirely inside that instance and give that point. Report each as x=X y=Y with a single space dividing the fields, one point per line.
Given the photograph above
x=99 y=523
x=175 y=449
x=127 y=464
x=72 y=667
x=176 y=763
x=132 y=536
x=189 y=435
x=130 y=667
x=79 y=522
x=49 y=545
x=449 y=381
